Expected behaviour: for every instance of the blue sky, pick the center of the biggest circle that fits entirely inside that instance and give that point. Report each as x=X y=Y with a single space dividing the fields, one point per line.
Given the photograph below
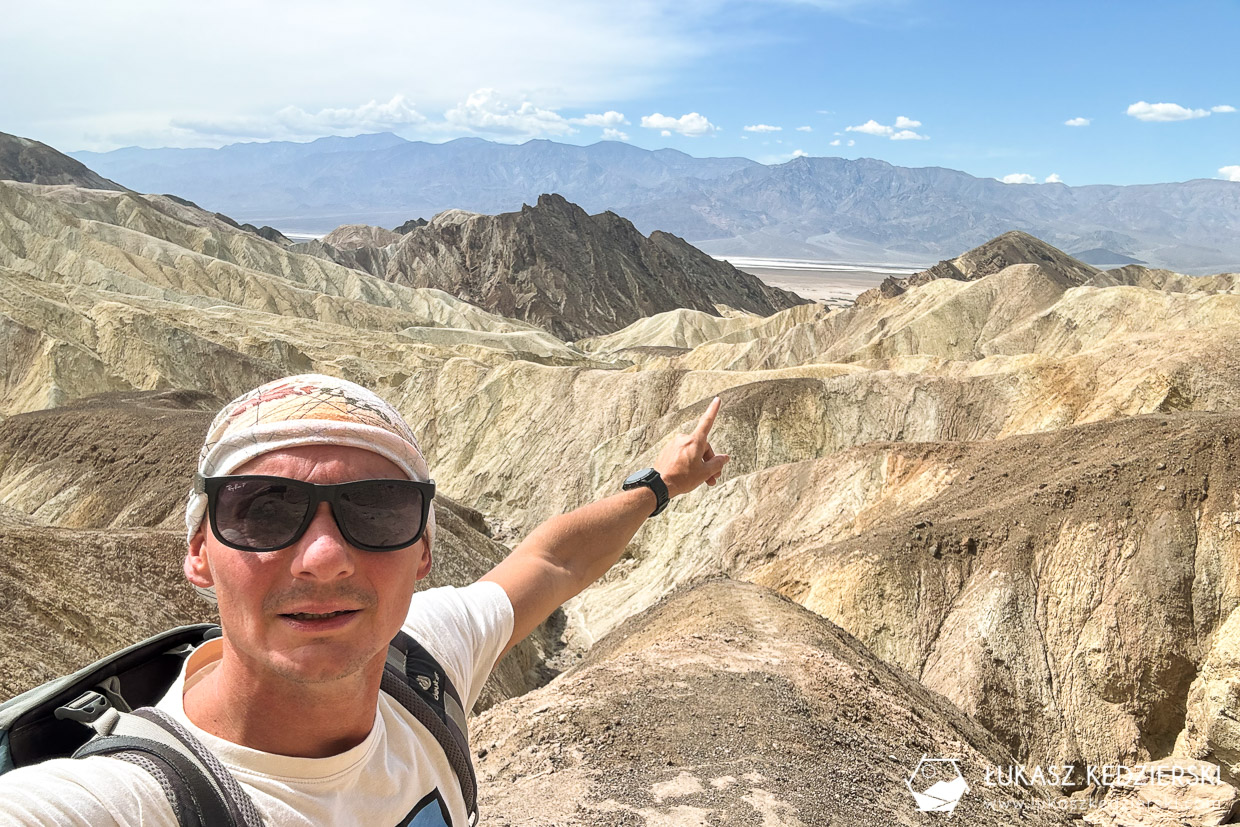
x=982 y=87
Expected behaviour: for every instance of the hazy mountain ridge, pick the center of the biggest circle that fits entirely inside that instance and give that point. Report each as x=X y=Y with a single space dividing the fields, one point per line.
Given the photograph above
x=829 y=208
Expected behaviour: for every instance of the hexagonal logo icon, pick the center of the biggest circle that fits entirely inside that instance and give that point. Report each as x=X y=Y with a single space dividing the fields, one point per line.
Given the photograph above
x=937 y=784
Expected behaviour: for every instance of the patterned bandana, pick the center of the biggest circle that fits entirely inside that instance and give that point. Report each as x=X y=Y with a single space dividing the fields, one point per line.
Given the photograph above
x=303 y=410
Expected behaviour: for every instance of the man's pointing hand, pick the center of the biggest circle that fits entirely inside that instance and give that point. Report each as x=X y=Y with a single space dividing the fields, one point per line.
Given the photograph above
x=687 y=460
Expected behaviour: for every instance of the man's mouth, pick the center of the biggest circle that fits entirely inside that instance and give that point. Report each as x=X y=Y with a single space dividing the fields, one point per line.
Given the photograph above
x=317 y=616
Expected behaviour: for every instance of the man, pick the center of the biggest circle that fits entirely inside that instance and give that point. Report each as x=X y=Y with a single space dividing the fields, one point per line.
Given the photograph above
x=312 y=584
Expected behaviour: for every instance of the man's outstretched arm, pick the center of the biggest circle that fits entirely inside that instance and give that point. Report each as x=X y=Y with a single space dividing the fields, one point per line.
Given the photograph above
x=569 y=552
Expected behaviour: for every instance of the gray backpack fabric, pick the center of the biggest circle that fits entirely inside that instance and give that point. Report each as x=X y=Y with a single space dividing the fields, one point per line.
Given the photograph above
x=107 y=709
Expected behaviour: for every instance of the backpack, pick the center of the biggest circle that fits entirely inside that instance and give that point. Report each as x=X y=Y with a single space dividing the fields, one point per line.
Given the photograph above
x=107 y=708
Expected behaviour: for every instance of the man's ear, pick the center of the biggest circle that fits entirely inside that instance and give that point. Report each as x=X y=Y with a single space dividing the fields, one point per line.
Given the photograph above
x=197 y=571
x=424 y=567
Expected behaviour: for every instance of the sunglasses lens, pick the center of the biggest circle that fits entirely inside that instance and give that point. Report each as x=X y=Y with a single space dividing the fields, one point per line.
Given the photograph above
x=380 y=513
x=259 y=513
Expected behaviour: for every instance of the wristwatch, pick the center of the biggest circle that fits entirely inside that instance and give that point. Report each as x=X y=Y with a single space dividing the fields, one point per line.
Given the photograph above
x=649 y=478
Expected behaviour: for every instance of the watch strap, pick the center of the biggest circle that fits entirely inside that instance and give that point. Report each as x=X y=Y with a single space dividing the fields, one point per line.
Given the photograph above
x=652 y=480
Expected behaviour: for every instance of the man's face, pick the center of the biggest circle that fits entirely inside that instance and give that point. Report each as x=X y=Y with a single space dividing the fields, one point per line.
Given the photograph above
x=267 y=599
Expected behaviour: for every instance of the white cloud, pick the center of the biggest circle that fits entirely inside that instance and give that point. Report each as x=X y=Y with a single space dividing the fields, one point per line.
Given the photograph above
x=292 y=122
x=836 y=142
x=763 y=127
x=805 y=129
x=1231 y=173
x=610 y=118
x=902 y=131
x=692 y=125
x=1143 y=111
x=1053 y=178
x=1222 y=108
x=1019 y=178
x=852 y=142
x=486 y=112
x=799 y=153
x=565 y=57
x=871 y=127
x=1076 y=122
x=666 y=133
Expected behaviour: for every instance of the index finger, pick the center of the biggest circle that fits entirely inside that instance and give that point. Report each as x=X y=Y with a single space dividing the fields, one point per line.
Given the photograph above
x=708 y=419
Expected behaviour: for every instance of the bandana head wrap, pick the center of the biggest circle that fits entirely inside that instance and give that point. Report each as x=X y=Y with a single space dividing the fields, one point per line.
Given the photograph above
x=303 y=410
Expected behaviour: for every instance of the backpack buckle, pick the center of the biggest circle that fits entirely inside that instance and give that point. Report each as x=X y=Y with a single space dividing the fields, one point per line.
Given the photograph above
x=85 y=708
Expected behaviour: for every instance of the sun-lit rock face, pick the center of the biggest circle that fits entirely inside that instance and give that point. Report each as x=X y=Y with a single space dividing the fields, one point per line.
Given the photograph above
x=1211 y=730
x=1019 y=487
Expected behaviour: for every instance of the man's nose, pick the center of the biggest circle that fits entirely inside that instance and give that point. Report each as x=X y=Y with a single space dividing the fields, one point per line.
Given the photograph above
x=322 y=553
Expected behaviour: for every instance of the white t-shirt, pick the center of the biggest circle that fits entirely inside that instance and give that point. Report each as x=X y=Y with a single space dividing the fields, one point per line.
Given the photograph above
x=378 y=782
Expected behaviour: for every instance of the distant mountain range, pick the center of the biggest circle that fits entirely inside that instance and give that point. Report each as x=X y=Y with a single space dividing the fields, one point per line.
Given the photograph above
x=862 y=211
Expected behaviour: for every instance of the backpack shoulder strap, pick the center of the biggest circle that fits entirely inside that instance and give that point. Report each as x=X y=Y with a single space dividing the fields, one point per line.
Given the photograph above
x=46 y=721
x=418 y=683
x=200 y=789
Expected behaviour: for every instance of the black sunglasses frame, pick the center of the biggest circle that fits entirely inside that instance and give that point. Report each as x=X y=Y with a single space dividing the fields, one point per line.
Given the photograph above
x=318 y=494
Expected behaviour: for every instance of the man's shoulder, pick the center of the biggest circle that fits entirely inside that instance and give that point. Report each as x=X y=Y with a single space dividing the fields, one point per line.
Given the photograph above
x=464 y=628
x=481 y=602
x=85 y=791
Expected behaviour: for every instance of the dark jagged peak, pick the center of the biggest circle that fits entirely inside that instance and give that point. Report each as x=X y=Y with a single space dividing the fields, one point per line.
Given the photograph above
x=411 y=224
x=227 y=220
x=272 y=234
x=999 y=253
x=575 y=274
x=31 y=162
x=184 y=202
x=269 y=233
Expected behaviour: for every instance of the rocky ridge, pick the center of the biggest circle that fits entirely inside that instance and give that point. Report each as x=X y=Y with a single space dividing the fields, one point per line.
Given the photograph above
x=31 y=162
x=726 y=704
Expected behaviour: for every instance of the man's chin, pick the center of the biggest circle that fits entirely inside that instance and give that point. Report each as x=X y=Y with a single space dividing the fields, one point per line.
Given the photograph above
x=328 y=658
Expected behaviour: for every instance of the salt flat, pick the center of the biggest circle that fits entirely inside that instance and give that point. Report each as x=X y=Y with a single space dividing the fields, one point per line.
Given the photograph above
x=834 y=283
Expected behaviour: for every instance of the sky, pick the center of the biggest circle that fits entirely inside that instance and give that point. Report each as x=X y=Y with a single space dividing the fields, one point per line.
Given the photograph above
x=1086 y=92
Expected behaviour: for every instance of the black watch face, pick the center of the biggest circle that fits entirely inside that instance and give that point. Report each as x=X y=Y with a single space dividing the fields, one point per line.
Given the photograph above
x=637 y=476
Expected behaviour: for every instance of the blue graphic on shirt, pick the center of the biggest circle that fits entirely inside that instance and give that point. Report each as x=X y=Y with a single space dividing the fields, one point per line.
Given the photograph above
x=431 y=811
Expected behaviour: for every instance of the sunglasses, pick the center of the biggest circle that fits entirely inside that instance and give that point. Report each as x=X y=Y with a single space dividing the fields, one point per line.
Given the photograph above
x=257 y=513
